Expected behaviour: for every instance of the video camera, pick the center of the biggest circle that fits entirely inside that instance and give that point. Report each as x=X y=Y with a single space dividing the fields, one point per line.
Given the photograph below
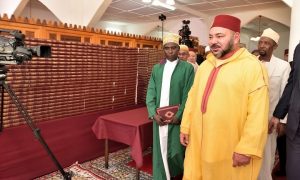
x=162 y=17
x=14 y=51
x=185 y=28
x=185 y=34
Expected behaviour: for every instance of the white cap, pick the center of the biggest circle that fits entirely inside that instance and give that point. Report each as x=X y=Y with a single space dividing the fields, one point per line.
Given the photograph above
x=183 y=47
x=270 y=33
x=171 y=37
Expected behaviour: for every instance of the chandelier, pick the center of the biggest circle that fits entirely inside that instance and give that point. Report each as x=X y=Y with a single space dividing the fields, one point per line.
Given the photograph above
x=257 y=37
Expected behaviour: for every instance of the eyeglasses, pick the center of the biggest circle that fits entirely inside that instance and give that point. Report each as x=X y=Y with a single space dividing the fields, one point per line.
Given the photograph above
x=166 y=48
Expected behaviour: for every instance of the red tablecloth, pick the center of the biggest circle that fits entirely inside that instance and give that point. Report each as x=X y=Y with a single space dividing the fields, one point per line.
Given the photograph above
x=129 y=127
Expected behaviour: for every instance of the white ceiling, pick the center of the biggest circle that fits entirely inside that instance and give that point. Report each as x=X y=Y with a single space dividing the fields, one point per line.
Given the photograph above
x=135 y=11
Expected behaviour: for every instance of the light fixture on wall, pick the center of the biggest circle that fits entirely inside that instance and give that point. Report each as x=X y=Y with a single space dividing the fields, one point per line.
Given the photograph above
x=257 y=37
x=169 y=4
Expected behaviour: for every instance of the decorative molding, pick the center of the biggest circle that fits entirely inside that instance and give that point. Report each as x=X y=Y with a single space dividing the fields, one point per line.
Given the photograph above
x=55 y=24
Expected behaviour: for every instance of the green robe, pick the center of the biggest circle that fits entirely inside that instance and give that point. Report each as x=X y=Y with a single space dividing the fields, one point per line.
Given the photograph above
x=181 y=82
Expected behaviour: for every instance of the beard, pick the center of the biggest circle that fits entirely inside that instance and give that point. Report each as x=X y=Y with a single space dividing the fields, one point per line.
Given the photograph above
x=262 y=53
x=228 y=48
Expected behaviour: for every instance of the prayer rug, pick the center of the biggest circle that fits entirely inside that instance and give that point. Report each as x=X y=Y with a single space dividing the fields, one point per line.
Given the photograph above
x=119 y=168
x=77 y=171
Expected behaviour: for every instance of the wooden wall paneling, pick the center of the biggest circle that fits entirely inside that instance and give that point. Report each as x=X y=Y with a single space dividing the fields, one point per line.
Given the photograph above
x=146 y=60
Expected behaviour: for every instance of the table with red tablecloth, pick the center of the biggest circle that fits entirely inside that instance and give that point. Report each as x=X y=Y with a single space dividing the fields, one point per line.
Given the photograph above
x=130 y=127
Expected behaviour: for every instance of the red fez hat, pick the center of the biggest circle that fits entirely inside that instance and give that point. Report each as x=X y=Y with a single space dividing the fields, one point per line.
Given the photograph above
x=228 y=22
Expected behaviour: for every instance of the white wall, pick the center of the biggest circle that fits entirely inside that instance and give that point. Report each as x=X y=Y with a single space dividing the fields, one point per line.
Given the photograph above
x=282 y=44
x=112 y=26
x=77 y=12
x=39 y=13
x=8 y=7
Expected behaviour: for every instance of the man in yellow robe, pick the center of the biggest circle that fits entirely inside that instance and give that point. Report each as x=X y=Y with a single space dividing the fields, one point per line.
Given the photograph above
x=225 y=120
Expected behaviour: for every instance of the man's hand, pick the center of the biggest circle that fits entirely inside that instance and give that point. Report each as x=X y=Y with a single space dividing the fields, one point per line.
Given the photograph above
x=184 y=139
x=159 y=120
x=273 y=124
x=240 y=160
x=281 y=129
x=174 y=120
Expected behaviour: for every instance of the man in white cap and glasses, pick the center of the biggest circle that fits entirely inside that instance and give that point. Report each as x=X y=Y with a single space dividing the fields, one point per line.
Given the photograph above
x=169 y=84
x=278 y=72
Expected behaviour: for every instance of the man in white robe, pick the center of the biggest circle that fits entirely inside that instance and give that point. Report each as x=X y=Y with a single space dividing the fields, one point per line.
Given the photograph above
x=278 y=72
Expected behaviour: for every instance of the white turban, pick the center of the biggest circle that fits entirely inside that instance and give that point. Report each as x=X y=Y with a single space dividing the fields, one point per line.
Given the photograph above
x=270 y=33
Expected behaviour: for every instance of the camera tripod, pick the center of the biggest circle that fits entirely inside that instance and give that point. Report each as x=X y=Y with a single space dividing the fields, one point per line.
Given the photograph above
x=36 y=131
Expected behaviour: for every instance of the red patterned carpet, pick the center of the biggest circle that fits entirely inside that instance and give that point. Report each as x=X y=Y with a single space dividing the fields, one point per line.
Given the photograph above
x=120 y=167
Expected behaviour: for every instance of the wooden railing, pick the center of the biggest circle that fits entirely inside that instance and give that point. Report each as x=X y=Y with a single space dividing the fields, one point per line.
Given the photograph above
x=42 y=29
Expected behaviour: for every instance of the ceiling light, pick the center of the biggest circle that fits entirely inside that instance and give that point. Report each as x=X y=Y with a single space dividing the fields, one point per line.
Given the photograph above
x=170 y=2
x=158 y=3
x=147 y=1
x=257 y=37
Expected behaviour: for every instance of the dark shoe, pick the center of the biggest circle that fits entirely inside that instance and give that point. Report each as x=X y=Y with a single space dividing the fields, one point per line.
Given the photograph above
x=179 y=177
x=279 y=173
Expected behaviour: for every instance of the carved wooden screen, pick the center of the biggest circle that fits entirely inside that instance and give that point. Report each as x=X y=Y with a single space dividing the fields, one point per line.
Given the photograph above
x=146 y=59
x=77 y=79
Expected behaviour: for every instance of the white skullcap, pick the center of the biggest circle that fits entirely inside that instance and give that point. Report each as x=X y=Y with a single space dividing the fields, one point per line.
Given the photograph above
x=183 y=47
x=171 y=37
x=270 y=33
